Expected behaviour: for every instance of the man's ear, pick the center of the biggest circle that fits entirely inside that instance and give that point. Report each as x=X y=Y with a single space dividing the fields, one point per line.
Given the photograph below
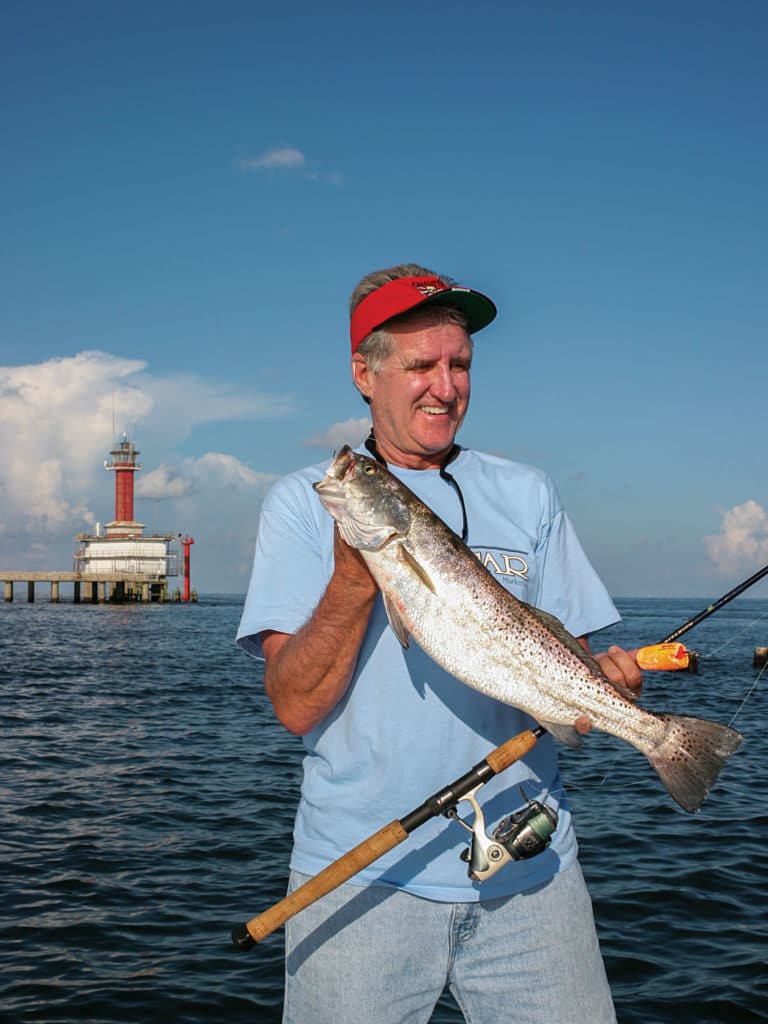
x=361 y=375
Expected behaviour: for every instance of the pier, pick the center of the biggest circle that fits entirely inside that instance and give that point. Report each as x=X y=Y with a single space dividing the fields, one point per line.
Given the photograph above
x=105 y=587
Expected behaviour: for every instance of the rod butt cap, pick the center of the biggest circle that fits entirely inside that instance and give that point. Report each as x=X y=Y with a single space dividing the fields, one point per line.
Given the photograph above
x=241 y=938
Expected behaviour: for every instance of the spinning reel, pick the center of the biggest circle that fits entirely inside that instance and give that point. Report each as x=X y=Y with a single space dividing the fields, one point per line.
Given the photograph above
x=519 y=836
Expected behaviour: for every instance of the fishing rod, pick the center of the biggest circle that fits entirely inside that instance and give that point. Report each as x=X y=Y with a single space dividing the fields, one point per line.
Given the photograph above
x=517 y=837
x=671 y=656
x=706 y=612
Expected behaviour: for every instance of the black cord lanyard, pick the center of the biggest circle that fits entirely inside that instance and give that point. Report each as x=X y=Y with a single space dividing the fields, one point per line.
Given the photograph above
x=370 y=444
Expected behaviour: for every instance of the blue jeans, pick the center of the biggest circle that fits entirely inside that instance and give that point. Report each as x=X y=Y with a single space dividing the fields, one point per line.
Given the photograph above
x=376 y=955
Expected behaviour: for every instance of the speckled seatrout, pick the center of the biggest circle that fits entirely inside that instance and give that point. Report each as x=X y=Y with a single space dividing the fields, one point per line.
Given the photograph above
x=437 y=591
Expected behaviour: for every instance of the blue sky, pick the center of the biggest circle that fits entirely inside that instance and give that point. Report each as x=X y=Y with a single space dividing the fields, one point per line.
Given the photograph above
x=189 y=192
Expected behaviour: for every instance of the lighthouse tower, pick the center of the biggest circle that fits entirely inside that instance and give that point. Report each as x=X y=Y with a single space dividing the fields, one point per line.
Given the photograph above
x=122 y=555
x=123 y=462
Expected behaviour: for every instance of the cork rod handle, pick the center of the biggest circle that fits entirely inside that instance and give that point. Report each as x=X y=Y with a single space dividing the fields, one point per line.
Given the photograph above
x=329 y=878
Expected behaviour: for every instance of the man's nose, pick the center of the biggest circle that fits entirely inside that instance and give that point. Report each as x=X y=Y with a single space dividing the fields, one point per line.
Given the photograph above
x=443 y=384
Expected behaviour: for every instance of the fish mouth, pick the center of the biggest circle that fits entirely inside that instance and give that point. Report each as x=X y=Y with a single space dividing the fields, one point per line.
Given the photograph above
x=343 y=462
x=341 y=469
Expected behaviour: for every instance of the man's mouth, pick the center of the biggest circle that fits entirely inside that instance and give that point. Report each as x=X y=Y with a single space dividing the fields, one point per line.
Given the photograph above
x=435 y=410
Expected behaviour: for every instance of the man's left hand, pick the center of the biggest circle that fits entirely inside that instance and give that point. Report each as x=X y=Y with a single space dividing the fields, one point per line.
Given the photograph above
x=618 y=666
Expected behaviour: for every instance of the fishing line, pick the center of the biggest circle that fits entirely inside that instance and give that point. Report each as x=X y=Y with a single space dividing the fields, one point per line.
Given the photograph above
x=728 y=642
x=751 y=691
x=744 y=629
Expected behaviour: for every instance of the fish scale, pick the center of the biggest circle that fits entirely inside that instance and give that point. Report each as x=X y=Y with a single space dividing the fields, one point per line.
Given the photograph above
x=436 y=591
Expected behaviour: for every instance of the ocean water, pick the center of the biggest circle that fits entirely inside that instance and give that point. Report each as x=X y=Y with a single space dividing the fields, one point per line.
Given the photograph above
x=147 y=799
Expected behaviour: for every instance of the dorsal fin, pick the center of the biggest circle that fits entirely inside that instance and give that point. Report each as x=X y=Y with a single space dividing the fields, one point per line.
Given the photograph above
x=554 y=625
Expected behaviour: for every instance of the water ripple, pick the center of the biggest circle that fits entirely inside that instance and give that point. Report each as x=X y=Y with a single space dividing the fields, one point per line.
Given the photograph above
x=147 y=800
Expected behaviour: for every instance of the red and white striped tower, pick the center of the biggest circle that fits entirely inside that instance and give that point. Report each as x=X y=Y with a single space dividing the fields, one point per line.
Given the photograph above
x=124 y=464
x=187 y=542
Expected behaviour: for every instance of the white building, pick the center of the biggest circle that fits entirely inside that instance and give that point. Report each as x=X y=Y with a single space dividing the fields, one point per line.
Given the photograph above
x=126 y=556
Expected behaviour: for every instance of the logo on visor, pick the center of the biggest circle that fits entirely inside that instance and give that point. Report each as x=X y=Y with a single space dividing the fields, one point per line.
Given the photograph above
x=429 y=289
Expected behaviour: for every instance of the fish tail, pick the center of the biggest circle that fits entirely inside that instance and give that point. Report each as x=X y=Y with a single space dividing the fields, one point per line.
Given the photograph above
x=690 y=757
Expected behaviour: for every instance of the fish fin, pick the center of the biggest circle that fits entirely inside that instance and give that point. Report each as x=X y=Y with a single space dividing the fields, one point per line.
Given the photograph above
x=565 y=733
x=416 y=567
x=397 y=624
x=690 y=757
x=554 y=625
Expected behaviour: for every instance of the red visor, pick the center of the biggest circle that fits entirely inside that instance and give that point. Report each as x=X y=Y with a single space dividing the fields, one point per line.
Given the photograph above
x=406 y=293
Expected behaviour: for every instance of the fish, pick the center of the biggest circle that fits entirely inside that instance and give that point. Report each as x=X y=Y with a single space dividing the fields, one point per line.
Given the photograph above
x=437 y=592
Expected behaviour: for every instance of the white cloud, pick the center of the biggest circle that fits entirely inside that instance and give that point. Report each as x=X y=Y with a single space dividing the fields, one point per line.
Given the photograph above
x=284 y=158
x=743 y=538
x=214 y=470
x=350 y=432
x=221 y=470
x=182 y=400
x=216 y=498
x=57 y=422
x=54 y=420
x=163 y=482
x=288 y=158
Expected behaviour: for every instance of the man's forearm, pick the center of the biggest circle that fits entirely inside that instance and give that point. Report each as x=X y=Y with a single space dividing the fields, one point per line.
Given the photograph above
x=308 y=672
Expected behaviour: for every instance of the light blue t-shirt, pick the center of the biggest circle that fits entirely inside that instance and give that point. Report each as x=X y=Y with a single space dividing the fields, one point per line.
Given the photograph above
x=406 y=728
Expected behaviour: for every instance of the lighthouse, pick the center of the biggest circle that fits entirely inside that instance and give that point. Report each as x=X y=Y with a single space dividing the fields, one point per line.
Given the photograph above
x=123 y=462
x=122 y=555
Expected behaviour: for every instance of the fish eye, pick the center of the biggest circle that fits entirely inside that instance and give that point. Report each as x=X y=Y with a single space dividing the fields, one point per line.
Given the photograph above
x=369 y=470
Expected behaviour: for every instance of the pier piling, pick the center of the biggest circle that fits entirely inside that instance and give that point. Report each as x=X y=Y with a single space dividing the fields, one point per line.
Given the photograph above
x=112 y=588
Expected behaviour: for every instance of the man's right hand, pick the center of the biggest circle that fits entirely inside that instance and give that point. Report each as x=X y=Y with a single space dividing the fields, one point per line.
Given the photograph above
x=350 y=564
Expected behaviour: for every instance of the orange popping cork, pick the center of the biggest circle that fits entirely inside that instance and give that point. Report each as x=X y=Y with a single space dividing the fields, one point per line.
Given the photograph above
x=663 y=657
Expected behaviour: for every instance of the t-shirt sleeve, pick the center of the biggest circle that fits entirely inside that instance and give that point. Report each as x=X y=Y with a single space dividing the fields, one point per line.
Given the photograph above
x=292 y=563
x=569 y=586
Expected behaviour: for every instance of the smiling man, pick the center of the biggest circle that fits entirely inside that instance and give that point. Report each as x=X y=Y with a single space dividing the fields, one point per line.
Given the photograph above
x=384 y=726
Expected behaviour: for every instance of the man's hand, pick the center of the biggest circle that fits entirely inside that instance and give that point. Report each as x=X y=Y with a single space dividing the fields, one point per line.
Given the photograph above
x=618 y=666
x=350 y=565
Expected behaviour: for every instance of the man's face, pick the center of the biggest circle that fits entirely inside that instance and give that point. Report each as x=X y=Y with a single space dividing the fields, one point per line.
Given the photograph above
x=420 y=395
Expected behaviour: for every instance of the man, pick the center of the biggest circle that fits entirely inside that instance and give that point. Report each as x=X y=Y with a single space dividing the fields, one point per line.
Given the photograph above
x=384 y=727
